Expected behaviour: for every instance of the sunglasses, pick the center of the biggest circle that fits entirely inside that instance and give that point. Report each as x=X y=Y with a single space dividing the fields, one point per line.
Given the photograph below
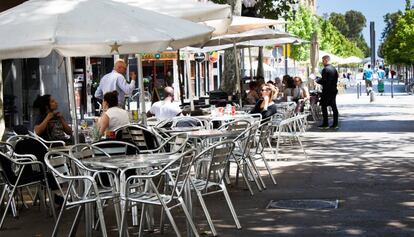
x=265 y=89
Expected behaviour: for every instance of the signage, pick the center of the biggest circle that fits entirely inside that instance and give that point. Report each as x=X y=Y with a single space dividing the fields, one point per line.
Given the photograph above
x=213 y=57
x=159 y=56
x=199 y=57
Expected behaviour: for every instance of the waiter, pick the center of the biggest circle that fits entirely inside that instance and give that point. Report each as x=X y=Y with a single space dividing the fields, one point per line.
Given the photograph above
x=329 y=91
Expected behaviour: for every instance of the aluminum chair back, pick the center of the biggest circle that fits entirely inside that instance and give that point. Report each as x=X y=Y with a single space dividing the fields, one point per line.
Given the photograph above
x=28 y=145
x=218 y=156
x=144 y=138
x=236 y=125
x=114 y=148
x=181 y=173
x=84 y=151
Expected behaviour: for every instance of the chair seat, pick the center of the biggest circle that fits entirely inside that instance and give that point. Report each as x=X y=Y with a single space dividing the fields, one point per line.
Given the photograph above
x=149 y=198
x=92 y=198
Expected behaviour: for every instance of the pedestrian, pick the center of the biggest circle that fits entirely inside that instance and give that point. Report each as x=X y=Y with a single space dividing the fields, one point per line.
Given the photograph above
x=381 y=78
x=329 y=82
x=115 y=81
x=367 y=76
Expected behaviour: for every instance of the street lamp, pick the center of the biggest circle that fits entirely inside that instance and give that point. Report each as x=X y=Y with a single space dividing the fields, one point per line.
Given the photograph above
x=295 y=7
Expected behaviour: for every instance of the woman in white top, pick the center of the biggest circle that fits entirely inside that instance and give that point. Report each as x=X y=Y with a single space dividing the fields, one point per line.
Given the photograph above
x=113 y=116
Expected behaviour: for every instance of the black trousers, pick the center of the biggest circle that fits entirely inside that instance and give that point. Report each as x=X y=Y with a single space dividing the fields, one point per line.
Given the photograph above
x=332 y=103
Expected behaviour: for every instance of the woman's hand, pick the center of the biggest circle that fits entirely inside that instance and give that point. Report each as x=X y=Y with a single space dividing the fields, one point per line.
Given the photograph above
x=49 y=116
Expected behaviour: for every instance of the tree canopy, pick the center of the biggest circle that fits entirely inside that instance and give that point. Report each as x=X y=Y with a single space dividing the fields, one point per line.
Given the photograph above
x=351 y=25
x=398 y=47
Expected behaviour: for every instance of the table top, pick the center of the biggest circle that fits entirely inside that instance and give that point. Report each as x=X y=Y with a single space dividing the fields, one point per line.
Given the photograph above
x=180 y=129
x=130 y=161
x=212 y=133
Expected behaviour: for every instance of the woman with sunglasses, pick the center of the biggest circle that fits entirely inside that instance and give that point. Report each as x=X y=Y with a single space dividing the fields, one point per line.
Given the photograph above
x=265 y=105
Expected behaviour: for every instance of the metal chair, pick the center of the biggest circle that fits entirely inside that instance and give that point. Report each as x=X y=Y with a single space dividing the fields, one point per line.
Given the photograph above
x=115 y=148
x=174 y=144
x=176 y=172
x=264 y=132
x=21 y=172
x=84 y=151
x=288 y=129
x=216 y=157
x=144 y=138
x=80 y=187
x=242 y=157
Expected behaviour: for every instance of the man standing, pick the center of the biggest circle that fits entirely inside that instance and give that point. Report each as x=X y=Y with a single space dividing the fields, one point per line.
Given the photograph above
x=329 y=91
x=166 y=108
x=115 y=81
x=368 y=73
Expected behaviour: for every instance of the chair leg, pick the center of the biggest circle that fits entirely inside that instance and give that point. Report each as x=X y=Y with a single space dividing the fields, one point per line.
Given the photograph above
x=171 y=218
x=206 y=213
x=124 y=224
x=249 y=168
x=303 y=148
x=142 y=221
x=62 y=209
x=7 y=206
x=268 y=169
x=244 y=176
x=188 y=216
x=75 y=222
x=162 y=217
x=257 y=172
x=231 y=207
x=101 y=217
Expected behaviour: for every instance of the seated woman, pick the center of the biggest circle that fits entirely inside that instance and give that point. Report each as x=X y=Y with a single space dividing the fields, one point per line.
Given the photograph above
x=112 y=116
x=265 y=105
x=289 y=87
x=300 y=94
x=252 y=96
x=50 y=124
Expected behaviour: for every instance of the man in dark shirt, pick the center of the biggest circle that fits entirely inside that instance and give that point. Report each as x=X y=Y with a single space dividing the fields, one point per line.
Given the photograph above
x=328 y=98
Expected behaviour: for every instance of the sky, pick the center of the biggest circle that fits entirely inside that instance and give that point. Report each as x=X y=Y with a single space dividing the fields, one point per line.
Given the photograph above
x=374 y=10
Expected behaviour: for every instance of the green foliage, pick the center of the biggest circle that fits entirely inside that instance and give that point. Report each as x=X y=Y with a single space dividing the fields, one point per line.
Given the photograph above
x=398 y=47
x=330 y=39
x=338 y=20
x=408 y=5
x=356 y=22
x=303 y=26
x=390 y=20
x=271 y=9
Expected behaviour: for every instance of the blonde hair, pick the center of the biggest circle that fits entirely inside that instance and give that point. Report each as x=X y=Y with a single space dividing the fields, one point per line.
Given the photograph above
x=273 y=90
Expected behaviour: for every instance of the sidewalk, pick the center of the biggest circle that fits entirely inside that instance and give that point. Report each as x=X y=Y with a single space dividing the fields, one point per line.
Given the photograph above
x=368 y=164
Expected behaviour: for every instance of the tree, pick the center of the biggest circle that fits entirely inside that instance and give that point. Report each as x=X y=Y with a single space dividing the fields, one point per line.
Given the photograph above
x=356 y=22
x=408 y=5
x=338 y=20
x=398 y=47
x=390 y=20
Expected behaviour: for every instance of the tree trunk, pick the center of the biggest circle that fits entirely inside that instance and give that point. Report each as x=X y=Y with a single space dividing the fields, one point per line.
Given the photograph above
x=260 y=70
x=229 y=75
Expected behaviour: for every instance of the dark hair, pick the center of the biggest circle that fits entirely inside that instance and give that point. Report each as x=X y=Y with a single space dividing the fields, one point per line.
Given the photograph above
x=252 y=85
x=290 y=83
x=380 y=67
x=369 y=65
x=111 y=98
x=42 y=103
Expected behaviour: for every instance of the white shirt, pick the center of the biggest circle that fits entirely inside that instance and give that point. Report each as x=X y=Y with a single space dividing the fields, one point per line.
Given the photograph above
x=114 y=81
x=165 y=109
x=117 y=117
